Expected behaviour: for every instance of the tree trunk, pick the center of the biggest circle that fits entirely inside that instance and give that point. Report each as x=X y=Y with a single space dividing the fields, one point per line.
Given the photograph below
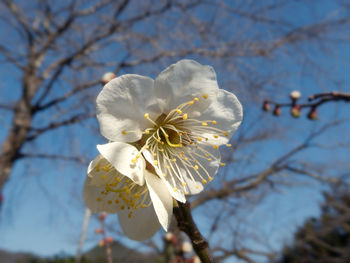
x=15 y=139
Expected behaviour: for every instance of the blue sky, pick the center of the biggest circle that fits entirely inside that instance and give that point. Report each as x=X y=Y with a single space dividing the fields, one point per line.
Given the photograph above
x=43 y=210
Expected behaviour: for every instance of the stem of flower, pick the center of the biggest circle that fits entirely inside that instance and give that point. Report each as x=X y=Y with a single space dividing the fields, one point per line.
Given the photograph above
x=186 y=224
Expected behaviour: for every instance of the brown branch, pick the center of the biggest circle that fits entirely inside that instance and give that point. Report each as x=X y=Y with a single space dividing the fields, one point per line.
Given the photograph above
x=55 y=125
x=186 y=224
x=52 y=157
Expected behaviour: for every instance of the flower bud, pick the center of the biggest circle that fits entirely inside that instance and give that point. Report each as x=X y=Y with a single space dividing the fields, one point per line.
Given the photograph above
x=266 y=105
x=99 y=231
x=109 y=240
x=277 y=110
x=101 y=243
x=295 y=111
x=312 y=115
x=171 y=238
x=107 y=77
x=168 y=236
x=103 y=216
x=186 y=247
x=295 y=95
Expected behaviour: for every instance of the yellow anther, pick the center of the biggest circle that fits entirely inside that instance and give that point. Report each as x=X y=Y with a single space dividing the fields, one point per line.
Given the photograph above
x=223 y=164
x=197 y=186
x=205 y=96
x=207 y=155
x=199 y=138
x=122 y=207
x=103 y=177
x=155 y=162
x=184 y=184
x=209 y=159
x=228 y=145
x=178 y=111
x=186 y=193
x=185 y=132
x=143 y=205
x=147 y=147
x=195 y=161
x=124 y=132
x=168 y=167
x=116 y=201
x=216 y=136
x=138 y=155
x=164 y=175
x=204 y=181
x=147 y=131
x=184 y=117
x=154 y=154
x=225 y=133
x=98 y=199
x=109 y=202
x=174 y=160
x=146 y=115
x=196 y=167
x=191 y=103
x=210 y=178
x=175 y=189
x=129 y=215
x=215 y=147
x=204 y=123
x=106 y=168
x=134 y=160
x=186 y=158
x=213 y=122
x=127 y=190
x=195 y=99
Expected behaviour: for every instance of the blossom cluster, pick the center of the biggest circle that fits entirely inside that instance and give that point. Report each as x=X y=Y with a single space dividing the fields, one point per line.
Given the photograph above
x=164 y=137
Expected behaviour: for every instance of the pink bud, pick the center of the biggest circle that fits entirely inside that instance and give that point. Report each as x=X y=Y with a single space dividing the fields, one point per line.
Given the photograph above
x=171 y=238
x=312 y=115
x=266 y=105
x=107 y=77
x=109 y=240
x=103 y=216
x=277 y=110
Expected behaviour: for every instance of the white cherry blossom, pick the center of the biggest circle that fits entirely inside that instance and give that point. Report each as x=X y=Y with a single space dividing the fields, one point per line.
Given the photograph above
x=140 y=197
x=175 y=125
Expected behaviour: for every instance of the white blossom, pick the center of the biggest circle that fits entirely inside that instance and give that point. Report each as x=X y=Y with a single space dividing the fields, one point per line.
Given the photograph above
x=176 y=122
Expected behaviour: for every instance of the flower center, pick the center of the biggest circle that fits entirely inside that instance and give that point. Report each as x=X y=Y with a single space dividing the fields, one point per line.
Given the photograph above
x=178 y=142
x=119 y=189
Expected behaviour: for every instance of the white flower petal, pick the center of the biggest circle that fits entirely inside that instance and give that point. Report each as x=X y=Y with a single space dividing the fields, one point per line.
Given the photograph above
x=120 y=154
x=161 y=199
x=182 y=82
x=121 y=106
x=97 y=202
x=227 y=111
x=142 y=225
x=93 y=163
x=179 y=194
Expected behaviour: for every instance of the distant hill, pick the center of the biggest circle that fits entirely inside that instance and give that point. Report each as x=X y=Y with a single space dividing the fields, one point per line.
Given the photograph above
x=120 y=253
x=19 y=257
